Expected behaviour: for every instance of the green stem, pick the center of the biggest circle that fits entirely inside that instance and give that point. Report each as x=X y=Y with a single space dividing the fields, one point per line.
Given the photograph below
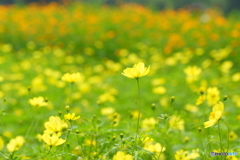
x=227 y=134
x=139 y=107
x=139 y=104
x=44 y=155
x=220 y=137
x=71 y=93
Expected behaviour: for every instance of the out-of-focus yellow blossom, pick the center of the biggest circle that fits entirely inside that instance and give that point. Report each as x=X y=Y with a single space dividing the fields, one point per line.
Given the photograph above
x=106 y=97
x=236 y=77
x=15 y=144
x=215 y=115
x=134 y=114
x=158 y=81
x=71 y=77
x=71 y=117
x=159 y=90
x=1 y=78
x=164 y=101
x=120 y=155
x=226 y=66
x=107 y=111
x=212 y=95
x=148 y=123
x=207 y=63
x=186 y=155
x=200 y=99
x=1 y=143
x=7 y=134
x=176 y=122
x=55 y=125
x=232 y=136
x=52 y=140
x=90 y=142
x=220 y=54
x=236 y=100
x=38 y=102
x=191 y=108
x=138 y=70
x=193 y=73
x=232 y=158
x=154 y=147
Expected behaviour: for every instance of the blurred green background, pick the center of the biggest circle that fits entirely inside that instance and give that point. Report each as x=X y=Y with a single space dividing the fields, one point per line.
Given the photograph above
x=225 y=5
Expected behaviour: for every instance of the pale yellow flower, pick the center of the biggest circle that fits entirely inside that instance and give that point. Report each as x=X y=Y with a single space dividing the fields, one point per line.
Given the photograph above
x=71 y=78
x=215 y=115
x=52 y=140
x=186 y=155
x=154 y=147
x=138 y=70
x=148 y=123
x=38 y=101
x=120 y=155
x=176 y=122
x=159 y=90
x=232 y=136
x=107 y=111
x=193 y=73
x=1 y=143
x=71 y=117
x=212 y=95
x=15 y=144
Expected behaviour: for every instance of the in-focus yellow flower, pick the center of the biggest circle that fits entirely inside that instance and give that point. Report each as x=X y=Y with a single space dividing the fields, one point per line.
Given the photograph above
x=52 y=140
x=55 y=125
x=71 y=117
x=71 y=78
x=15 y=144
x=38 y=102
x=120 y=155
x=138 y=70
x=215 y=115
x=176 y=122
x=193 y=73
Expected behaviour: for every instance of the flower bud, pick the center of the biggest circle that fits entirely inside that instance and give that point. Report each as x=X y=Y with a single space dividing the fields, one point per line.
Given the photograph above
x=121 y=135
x=225 y=98
x=172 y=99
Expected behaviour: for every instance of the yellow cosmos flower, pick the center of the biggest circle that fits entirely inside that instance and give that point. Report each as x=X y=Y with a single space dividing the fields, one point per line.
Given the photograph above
x=55 y=125
x=213 y=95
x=15 y=144
x=193 y=73
x=148 y=124
x=138 y=70
x=215 y=115
x=52 y=140
x=71 y=78
x=38 y=102
x=1 y=143
x=71 y=117
x=176 y=122
x=154 y=147
x=120 y=155
x=232 y=136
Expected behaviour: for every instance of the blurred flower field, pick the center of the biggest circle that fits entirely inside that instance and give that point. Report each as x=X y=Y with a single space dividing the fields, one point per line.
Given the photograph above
x=83 y=82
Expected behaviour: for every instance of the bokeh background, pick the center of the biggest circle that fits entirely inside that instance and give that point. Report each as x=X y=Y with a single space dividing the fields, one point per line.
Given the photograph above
x=225 y=5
